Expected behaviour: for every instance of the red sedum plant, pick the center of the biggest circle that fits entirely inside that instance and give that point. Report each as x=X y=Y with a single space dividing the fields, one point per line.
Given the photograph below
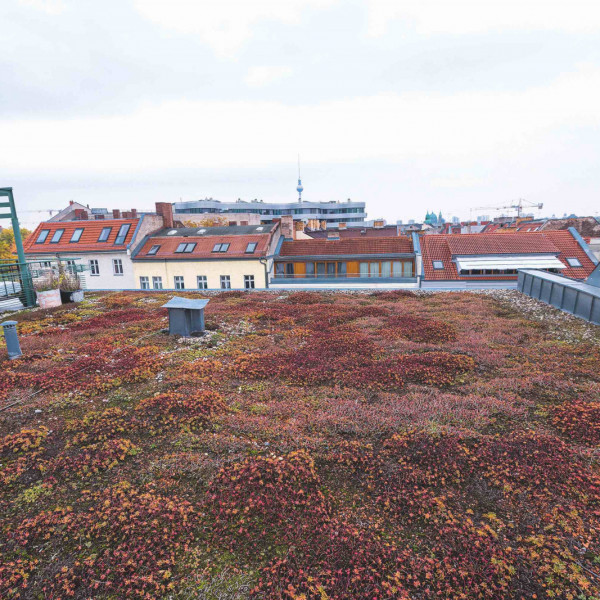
x=310 y=446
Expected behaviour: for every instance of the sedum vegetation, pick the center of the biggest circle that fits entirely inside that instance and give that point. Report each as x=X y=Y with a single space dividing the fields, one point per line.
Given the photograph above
x=307 y=447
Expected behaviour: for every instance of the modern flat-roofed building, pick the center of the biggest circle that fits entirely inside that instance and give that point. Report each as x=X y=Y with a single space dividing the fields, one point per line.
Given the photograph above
x=333 y=213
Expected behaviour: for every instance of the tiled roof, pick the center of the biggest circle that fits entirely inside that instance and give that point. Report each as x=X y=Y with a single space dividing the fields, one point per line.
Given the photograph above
x=444 y=247
x=218 y=231
x=511 y=243
x=356 y=232
x=88 y=242
x=204 y=247
x=529 y=227
x=347 y=247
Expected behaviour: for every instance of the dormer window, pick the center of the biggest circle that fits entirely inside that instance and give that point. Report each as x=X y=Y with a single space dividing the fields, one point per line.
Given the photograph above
x=184 y=247
x=122 y=235
x=76 y=235
x=574 y=262
x=154 y=250
x=438 y=265
x=251 y=247
x=43 y=236
x=57 y=235
x=104 y=234
x=220 y=248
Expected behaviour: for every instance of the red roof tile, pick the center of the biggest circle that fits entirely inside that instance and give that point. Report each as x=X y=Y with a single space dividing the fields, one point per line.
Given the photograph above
x=356 y=232
x=510 y=243
x=445 y=247
x=88 y=242
x=204 y=246
x=348 y=247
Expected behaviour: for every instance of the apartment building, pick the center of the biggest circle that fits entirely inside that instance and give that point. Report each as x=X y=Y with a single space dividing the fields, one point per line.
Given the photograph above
x=207 y=258
x=494 y=257
x=98 y=249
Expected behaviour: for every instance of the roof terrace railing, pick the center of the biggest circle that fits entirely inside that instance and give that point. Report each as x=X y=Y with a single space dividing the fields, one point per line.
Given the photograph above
x=575 y=297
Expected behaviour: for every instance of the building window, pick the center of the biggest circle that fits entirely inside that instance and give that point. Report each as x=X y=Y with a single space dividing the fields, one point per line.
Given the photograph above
x=249 y=282
x=117 y=266
x=220 y=248
x=202 y=282
x=94 y=267
x=185 y=248
x=144 y=283
x=225 y=282
x=76 y=235
x=71 y=266
x=43 y=236
x=57 y=235
x=179 y=285
x=574 y=262
x=154 y=250
x=157 y=283
x=123 y=231
x=103 y=237
x=438 y=265
x=251 y=247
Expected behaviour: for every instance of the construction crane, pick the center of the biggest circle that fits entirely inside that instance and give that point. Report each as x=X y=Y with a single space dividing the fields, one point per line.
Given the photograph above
x=519 y=205
x=47 y=210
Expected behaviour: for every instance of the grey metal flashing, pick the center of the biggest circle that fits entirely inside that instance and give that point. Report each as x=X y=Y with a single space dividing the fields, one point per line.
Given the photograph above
x=334 y=257
x=279 y=244
x=583 y=245
x=136 y=250
x=199 y=259
x=340 y=280
x=137 y=228
x=214 y=231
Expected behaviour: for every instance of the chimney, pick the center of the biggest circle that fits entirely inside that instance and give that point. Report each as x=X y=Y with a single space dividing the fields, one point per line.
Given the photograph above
x=71 y=202
x=116 y=213
x=165 y=210
x=134 y=213
x=378 y=224
x=342 y=226
x=298 y=226
x=287 y=227
x=80 y=214
x=323 y=225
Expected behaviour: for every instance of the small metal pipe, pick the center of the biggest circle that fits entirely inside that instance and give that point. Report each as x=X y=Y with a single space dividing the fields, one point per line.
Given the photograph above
x=12 y=339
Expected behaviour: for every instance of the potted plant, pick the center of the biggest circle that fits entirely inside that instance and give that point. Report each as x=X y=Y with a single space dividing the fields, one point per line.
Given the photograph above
x=70 y=288
x=47 y=290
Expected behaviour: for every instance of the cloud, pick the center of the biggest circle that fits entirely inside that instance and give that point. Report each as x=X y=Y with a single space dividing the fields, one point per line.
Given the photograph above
x=392 y=127
x=429 y=17
x=52 y=7
x=225 y=25
x=260 y=76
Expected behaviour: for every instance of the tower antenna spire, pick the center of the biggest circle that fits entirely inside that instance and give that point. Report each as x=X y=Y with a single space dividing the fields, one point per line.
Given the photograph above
x=299 y=189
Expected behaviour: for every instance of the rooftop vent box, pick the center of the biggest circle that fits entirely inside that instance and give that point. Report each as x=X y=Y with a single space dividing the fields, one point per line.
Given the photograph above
x=186 y=316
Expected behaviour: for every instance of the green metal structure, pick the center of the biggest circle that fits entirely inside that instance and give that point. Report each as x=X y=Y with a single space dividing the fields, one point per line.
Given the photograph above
x=28 y=291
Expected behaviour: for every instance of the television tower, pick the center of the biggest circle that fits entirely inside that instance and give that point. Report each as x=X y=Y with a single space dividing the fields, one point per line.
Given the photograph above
x=299 y=189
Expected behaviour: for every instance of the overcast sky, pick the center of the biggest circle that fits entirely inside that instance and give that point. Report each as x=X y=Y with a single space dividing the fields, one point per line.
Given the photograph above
x=407 y=105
